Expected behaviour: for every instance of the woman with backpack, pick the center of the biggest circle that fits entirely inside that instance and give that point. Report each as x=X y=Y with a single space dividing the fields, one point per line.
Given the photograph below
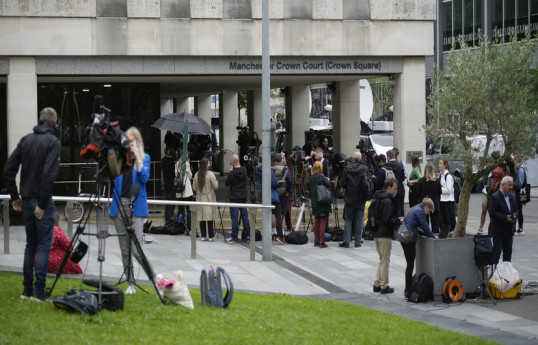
x=520 y=180
x=415 y=220
x=320 y=211
x=430 y=187
x=447 y=222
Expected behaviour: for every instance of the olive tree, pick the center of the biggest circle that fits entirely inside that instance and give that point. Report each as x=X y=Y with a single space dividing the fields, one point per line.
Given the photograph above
x=489 y=90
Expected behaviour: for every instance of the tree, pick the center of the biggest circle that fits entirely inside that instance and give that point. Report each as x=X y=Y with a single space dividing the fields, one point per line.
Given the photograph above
x=490 y=90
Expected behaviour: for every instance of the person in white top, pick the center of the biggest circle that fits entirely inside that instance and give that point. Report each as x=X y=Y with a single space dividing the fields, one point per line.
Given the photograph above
x=447 y=221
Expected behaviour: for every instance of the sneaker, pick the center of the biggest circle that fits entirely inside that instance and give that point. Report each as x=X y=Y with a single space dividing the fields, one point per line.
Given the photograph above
x=130 y=290
x=41 y=297
x=480 y=230
x=386 y=290
x=230 y=240
x=316 y=244
x=26 y=294
x=520 y=232
x=204 y=238
x=247 y=240
x=281 y=240
x=357 y=245
x=344 y=245
x=377 y=288
x=323 y=245
x=210 y=239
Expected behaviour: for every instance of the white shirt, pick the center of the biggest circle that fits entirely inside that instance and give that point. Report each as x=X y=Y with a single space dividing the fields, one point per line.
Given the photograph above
x=447 y=187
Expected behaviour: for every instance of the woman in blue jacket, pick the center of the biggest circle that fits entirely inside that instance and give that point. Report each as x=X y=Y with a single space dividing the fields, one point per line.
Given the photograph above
x=416 y=219
x=137 y=175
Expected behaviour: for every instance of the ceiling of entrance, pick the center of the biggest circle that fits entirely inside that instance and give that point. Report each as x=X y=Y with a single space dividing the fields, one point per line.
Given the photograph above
x=182 y=86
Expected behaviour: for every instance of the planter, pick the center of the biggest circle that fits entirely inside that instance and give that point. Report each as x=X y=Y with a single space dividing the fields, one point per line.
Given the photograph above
x=447 y=258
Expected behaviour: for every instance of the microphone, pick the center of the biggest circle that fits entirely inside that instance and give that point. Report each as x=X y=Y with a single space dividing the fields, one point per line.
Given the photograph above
x=133 y=192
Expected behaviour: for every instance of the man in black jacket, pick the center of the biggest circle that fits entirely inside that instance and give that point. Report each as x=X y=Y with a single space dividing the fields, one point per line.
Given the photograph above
x=38 y=154
x=398 y=170
x=386 y=221
x=503 y=213
x=354 y=203
x=237 y=181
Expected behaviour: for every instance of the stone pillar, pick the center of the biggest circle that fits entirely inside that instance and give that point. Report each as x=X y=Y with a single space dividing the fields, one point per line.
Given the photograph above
x=22 y=112
x=255 y=112
x=202 y=107
x=410 y=109
x=228 y=133
x=297 y=116
x=346 y=116
x=181 y=104
x=166 y=108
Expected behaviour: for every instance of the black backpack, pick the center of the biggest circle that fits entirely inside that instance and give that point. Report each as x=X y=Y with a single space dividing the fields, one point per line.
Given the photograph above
x=457 y=188
x=297 y=237
x=366 y=188
x=421 y=288
x=372 y=222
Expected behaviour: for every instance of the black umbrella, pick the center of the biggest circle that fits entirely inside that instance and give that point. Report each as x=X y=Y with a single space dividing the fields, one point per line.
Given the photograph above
x=175 y=122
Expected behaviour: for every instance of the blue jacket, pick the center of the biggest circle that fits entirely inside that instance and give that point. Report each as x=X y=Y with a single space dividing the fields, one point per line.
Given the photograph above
x=274 y=185
x=416 y=219
x=498 y=210
x=141 y=203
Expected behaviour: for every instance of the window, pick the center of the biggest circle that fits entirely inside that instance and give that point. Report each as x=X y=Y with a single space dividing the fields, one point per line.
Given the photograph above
x=447 y=35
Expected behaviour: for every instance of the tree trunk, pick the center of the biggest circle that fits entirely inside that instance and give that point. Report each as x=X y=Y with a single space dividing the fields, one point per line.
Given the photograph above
x=463 y=207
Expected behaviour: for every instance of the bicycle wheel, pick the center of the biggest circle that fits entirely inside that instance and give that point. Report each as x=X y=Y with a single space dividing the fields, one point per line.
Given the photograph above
x=78 y=212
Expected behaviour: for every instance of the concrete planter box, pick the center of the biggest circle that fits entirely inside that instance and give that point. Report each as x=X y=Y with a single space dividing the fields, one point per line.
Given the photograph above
x=447 y=258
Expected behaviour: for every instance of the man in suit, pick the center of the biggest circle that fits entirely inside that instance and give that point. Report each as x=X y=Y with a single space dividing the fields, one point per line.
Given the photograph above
x=503 y=213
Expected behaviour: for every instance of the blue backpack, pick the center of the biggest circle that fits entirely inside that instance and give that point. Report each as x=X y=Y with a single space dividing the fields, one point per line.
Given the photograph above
x=211 y=287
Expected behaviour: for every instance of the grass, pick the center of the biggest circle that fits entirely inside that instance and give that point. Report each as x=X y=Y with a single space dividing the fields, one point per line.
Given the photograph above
x=250 y=319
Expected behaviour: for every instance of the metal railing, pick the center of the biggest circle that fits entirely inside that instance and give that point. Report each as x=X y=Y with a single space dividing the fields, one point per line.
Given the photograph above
x=71 y=200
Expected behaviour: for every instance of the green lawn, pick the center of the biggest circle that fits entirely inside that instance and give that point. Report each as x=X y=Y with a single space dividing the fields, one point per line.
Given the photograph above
x=250 y=319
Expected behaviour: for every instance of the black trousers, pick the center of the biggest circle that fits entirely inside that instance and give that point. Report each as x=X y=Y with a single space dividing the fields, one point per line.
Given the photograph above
x=410 y=253
x=210 y=225
x=433 y=218
x=169 y=209
x=448 y=215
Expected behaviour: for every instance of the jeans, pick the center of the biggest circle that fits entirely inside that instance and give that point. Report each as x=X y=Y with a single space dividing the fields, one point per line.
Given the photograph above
x=235 y=222
x=410 y=253
x=353 y=217
x=38 y=240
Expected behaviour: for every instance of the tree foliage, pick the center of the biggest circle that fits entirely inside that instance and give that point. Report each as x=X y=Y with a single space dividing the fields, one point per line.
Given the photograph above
x=490 y=90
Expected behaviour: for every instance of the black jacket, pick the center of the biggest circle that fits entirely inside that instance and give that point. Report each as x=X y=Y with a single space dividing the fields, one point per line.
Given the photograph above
x=316 y=180
x=385 y=213
x=398 y=170
x=168 y=167
x=237 y=181
x=38 y=154
x=430 y=189
x=350 y=181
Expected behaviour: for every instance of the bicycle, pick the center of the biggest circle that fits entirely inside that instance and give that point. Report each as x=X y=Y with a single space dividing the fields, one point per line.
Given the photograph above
x=78 y=207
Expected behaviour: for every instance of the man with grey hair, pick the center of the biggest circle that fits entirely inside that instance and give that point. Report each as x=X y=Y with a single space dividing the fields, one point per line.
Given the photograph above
x=237 y=181
x=503 y=213
x=354 y=199
x=38 y=155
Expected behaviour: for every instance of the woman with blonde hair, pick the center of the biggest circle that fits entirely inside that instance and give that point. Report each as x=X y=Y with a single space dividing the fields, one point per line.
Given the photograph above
x=205 y=184
x=121 y=203
x=320 y=211
x=429 y=187
x=187 y=194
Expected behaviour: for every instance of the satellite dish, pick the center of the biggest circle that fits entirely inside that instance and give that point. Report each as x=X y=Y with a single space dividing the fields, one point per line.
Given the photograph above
x=366 y=100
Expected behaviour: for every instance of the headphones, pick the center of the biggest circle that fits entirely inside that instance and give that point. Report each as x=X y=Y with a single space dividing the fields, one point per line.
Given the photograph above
x=452 y=290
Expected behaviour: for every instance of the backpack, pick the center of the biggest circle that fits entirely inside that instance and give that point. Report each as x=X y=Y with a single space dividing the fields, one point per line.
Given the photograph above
x=389 y=173
x=496 y=177
x=297 y=237
x=211 y=287
x=421 y=288
x=457 y=187
x=77 y=302
x=337 y=234
x=179 y=185
x=517 y=183
x=372 y=221
x=366 y=188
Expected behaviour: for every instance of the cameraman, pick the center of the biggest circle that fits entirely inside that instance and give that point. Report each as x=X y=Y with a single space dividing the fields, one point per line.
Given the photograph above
x=242 y=141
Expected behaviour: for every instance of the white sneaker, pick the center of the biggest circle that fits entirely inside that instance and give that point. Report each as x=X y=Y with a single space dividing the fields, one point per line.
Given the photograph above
x=520 y=232
x=130 y=290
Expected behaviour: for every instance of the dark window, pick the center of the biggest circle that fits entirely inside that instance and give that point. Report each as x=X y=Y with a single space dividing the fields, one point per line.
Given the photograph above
x=479 y=31
x=447 y=32
x=468 y=29
x=458 y=21
x=498 y=31
x=509 y=19
x=522 y=20
x=534 y=17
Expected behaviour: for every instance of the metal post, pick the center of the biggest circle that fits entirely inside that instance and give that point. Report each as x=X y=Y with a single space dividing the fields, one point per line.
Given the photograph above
x=266 y=143
x=6 y=226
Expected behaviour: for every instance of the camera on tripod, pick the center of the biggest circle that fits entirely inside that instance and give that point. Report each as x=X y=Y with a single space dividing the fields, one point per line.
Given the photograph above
x=298 y=155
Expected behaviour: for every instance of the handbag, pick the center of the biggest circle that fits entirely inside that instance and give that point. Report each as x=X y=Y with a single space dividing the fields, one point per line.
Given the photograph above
x=324 y=195
x=525 y=194
x=176 y=290
x=179 y=186
x=404 y=234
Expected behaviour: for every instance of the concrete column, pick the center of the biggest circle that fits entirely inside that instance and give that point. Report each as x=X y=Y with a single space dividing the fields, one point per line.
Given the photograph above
x=297 y=115
x=166 y=108
x=410 y=109
x=202 y=107
x=346 y=116
x=22 y=112
x=255 y=117
x=181 y=104
x=228 y=122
